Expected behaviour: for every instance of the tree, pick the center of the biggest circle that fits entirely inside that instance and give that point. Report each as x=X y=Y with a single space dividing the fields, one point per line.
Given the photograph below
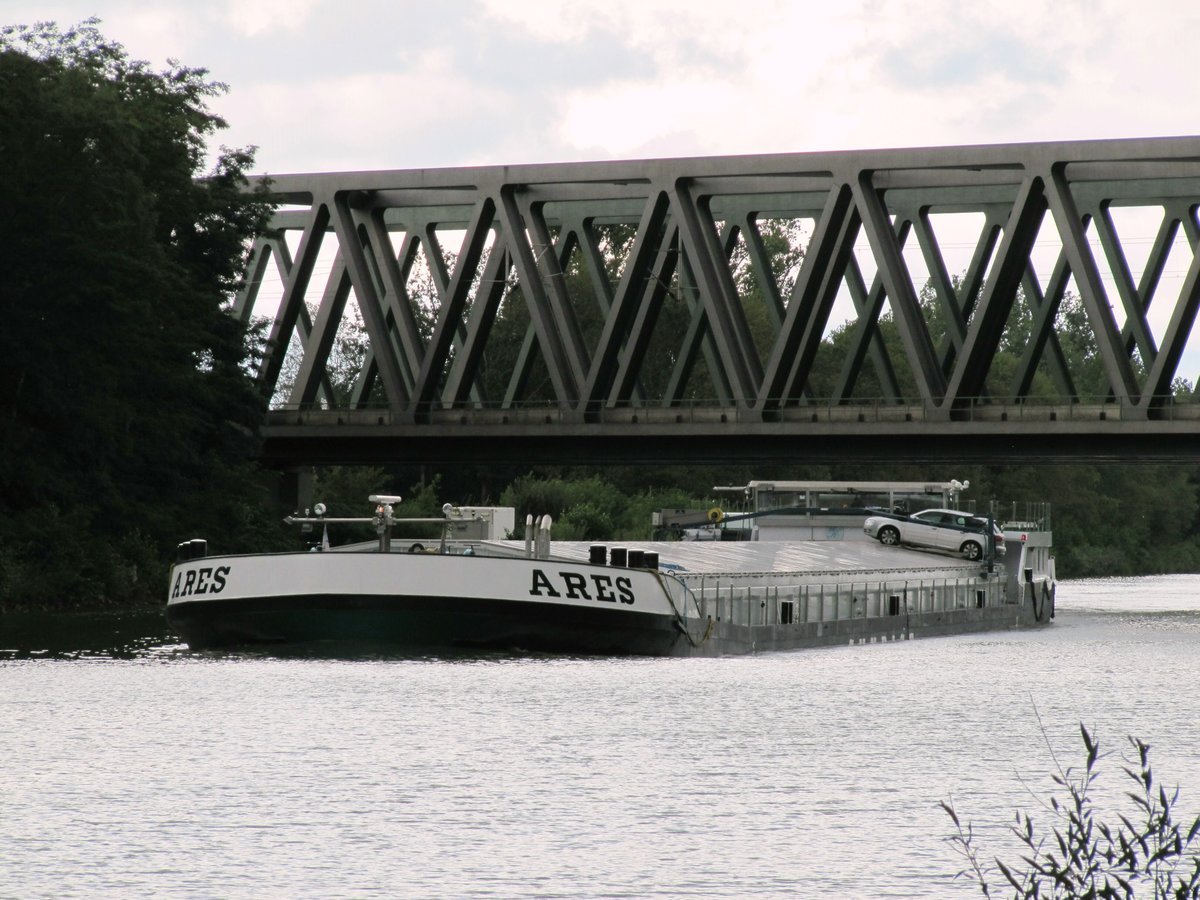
x=125 y=391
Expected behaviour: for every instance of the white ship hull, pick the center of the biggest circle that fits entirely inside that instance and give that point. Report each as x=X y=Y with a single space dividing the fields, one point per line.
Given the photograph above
x=425 y=601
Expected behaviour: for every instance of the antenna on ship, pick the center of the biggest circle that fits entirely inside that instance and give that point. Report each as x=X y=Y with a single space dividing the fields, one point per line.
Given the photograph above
x=383 y=518
x=320 y=509
x=956 y=488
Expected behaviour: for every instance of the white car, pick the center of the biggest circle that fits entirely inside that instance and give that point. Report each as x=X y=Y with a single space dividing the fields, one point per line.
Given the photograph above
x=941 y=529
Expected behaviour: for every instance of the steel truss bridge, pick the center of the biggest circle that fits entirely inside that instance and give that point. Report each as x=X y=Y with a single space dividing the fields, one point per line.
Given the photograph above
x=635 y=311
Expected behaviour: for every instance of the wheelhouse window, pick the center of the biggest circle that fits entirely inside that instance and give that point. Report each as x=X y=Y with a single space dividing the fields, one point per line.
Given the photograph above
x=910 y=503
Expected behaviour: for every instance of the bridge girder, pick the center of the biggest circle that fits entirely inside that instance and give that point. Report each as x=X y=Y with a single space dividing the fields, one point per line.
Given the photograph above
x=596 y=289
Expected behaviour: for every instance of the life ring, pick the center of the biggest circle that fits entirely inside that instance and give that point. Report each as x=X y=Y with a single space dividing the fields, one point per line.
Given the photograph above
x=715 y=515
x=417 y=548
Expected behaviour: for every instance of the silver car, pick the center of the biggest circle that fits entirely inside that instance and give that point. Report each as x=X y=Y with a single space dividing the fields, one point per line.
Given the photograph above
x=941 y=529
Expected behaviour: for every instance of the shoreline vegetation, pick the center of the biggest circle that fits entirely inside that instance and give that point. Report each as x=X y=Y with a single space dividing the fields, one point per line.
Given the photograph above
x=1089 y=849
x=1109 y=521
x=131 y=408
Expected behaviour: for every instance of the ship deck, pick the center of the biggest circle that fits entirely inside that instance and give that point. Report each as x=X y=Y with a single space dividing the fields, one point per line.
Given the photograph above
x=783 y=557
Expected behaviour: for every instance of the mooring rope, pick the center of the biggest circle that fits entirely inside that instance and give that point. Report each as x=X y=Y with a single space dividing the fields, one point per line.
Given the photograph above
x=680 y=621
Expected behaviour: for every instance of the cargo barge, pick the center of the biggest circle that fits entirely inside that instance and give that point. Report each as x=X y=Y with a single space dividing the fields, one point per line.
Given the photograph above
x=735 y=583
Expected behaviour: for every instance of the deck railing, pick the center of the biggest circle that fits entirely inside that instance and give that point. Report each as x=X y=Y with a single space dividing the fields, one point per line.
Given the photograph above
x=800 y=604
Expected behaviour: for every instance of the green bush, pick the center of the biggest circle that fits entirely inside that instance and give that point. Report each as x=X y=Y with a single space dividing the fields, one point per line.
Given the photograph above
x=584 y=522
x=1085 y=856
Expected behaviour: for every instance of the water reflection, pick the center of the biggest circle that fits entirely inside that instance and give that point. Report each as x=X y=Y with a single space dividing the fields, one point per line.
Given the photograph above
x=94 y=634
x=144 y=634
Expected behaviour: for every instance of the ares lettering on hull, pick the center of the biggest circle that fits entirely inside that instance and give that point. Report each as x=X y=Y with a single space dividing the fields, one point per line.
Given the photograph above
x=575 y=586
x=206 y=580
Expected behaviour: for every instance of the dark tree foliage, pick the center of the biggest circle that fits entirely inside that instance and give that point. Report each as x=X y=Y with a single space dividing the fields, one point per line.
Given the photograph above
x=127 y=408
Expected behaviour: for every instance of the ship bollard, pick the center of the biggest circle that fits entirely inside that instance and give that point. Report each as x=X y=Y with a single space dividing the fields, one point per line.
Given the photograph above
x=196 y=548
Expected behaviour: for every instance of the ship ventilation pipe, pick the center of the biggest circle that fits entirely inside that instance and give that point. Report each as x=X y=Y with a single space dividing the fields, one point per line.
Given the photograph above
x=543 y=537
x=637 y=559
x=650 y=557
x=193 y=549
x=618 y=555
x=597 y=554
x=529 y=536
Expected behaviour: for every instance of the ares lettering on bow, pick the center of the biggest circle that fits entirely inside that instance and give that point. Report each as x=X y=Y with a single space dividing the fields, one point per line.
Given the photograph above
x=205 y=580
x=575 y=586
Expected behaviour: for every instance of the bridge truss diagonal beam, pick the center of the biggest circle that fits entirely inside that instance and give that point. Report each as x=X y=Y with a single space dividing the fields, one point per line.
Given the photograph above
x=812 y=299
x=1091 y=288
x=1042 y=337
x=1183 y=318
x=708 y=256
x=634 y=306
x=898 y=284
x=983 y=339
x=868 y=306
x=453 y=291
x=356 y=246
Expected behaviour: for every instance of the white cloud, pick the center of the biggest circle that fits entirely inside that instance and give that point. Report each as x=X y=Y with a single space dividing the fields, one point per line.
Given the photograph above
x=804 y=76
x=267 y=16
x=357 y=121
x=512 y=81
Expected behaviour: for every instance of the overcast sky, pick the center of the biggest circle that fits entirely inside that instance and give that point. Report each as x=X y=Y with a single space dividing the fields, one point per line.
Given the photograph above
x=376 y=84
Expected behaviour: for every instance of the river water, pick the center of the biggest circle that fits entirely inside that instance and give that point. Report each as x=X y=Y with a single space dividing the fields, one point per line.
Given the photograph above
x=130 y=766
